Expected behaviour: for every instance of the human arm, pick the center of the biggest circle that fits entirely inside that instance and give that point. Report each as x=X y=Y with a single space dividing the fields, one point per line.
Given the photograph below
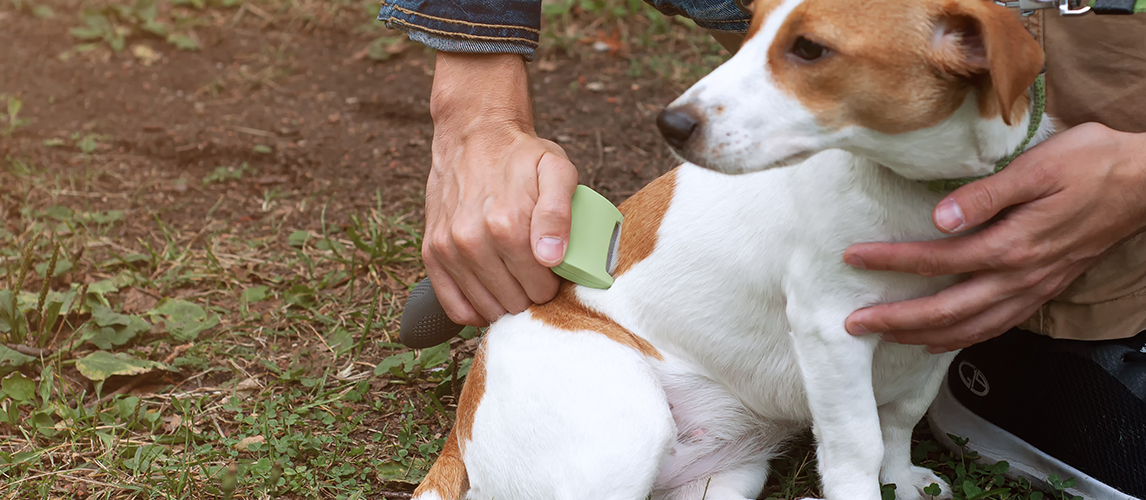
x=1062 y=204
x=498 y=197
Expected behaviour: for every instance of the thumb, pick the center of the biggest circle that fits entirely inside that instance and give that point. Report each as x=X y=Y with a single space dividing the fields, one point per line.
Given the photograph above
x=980 y=201
x=549 y=228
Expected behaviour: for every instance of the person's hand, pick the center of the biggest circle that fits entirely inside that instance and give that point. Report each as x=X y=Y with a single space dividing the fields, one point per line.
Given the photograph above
x=498 y=197
x=1072 y=197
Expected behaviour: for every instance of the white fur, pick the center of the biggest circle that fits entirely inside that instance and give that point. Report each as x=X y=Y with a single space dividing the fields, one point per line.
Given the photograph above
x=744 y=296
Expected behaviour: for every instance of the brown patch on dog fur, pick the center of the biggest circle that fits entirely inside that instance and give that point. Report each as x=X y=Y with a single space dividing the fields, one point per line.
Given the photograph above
x=567 y=313
x=448 y=476
x=984 y=42
x=885 y=71
x=760 y=11
x=643 y=214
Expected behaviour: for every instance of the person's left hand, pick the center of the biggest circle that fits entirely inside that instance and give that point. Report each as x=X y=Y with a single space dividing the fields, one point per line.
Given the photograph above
x=1071 y=197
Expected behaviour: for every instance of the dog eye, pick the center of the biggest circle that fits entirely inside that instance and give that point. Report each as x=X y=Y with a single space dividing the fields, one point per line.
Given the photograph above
x=808 y=50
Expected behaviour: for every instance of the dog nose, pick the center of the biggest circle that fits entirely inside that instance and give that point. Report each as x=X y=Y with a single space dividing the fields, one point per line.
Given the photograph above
x=677 y=125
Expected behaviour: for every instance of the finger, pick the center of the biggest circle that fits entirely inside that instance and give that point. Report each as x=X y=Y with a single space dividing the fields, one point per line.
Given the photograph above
x=984 y=326
x=955 y=255
x=508 y=248
x=483 y=299
x=946 y=308
x=450 y=296
x=539 y=283
x=482 y=274
x=549 y=228
x=980 y=201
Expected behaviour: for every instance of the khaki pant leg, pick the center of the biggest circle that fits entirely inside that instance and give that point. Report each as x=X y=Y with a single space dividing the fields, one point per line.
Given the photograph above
x=1096 y=71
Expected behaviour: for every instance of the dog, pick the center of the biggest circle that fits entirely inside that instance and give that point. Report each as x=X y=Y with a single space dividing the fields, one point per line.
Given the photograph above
x=723 y=334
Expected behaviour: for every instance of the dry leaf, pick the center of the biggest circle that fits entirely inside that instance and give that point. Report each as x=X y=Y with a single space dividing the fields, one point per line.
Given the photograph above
x=135 y=301
x=145 y=54
x=246 y=442
x=172 y=423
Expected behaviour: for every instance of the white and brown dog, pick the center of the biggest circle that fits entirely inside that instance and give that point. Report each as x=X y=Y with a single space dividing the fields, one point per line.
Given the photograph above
x=724 y=332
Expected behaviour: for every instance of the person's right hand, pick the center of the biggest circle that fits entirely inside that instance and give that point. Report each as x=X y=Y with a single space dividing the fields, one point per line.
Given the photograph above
x=498 y=197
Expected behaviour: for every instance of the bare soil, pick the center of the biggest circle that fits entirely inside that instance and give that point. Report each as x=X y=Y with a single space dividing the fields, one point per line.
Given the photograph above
x=341 y=127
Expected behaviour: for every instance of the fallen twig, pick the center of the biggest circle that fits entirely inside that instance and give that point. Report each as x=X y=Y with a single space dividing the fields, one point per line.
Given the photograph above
x=28 y=350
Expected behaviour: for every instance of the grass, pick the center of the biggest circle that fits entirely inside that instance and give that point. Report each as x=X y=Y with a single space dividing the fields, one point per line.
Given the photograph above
x=145 y=353
x=671 y=49
x=110 y=348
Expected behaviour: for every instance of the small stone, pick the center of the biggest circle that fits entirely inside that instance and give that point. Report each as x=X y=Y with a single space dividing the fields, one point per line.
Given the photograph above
x=595 y=86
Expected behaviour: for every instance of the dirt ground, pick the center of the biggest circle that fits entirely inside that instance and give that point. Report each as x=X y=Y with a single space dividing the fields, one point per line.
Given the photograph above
x=340 y=126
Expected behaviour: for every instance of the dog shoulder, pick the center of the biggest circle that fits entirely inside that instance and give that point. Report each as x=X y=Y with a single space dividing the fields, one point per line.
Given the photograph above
x=567 y=312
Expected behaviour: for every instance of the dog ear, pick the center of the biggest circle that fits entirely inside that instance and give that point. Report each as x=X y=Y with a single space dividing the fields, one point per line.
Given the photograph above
x=987 y=43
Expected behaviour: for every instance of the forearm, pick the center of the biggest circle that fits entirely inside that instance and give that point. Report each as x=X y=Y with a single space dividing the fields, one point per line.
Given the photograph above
x=480 y=93
x=497 y=197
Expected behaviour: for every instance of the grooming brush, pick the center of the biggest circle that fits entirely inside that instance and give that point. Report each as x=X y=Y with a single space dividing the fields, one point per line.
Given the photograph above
x=590 y=260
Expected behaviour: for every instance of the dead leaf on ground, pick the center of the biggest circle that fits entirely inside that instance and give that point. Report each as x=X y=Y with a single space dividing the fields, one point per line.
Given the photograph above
x=246 y=442
x=172 y=423
x=145 y=54
x=135 y=301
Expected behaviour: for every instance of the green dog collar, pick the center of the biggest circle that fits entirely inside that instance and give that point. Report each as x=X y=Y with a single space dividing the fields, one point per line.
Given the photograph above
x=1038 y=106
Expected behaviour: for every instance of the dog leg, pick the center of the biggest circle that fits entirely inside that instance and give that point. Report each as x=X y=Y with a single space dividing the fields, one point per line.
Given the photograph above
x=838 y=380
x=447 y=478
x=740 y=483
x=565 y=415
x=897 y=419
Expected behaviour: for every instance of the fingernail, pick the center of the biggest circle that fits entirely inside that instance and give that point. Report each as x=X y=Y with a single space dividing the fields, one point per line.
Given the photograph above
x=948 y=216
x=857 y=329
x=854 y=261
x=551 y=250
x=887 y=337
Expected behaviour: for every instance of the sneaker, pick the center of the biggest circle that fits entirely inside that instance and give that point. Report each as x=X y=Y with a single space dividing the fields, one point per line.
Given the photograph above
x=1072 y=408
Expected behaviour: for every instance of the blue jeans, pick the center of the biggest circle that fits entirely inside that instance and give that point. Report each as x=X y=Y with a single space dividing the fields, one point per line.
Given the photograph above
x=514 y=26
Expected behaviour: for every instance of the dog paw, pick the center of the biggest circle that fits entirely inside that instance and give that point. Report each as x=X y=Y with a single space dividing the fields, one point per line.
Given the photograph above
x=918 y=486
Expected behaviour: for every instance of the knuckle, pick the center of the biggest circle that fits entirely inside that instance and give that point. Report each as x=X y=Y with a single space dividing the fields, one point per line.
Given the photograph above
x=467 y=239
x=928 y=265
x=518 y=306
x=983 y=198
x=1017 y=256
x=1050 y=286
x=503 y=226
x=437 y=247
x=468 y=318
x=549 y=290
x=555 y=213
x=1037 y=281
x=462 y=315
x=507 y=225
x=542 y=289
x=945 y=316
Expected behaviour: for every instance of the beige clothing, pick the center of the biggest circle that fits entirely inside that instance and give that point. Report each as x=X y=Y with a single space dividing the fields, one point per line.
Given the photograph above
x=1096 y=71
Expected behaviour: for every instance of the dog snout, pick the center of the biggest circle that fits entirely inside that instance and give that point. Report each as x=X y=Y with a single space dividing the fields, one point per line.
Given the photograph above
x=677 y=125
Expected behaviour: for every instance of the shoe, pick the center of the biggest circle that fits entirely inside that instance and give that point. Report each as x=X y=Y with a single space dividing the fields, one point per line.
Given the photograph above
x=1072 y=408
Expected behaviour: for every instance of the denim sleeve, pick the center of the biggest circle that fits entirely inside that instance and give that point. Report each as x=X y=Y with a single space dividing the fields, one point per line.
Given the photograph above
x=482 y=26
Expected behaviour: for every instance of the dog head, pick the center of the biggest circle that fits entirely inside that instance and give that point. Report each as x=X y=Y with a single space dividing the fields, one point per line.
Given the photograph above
x=930 y=88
